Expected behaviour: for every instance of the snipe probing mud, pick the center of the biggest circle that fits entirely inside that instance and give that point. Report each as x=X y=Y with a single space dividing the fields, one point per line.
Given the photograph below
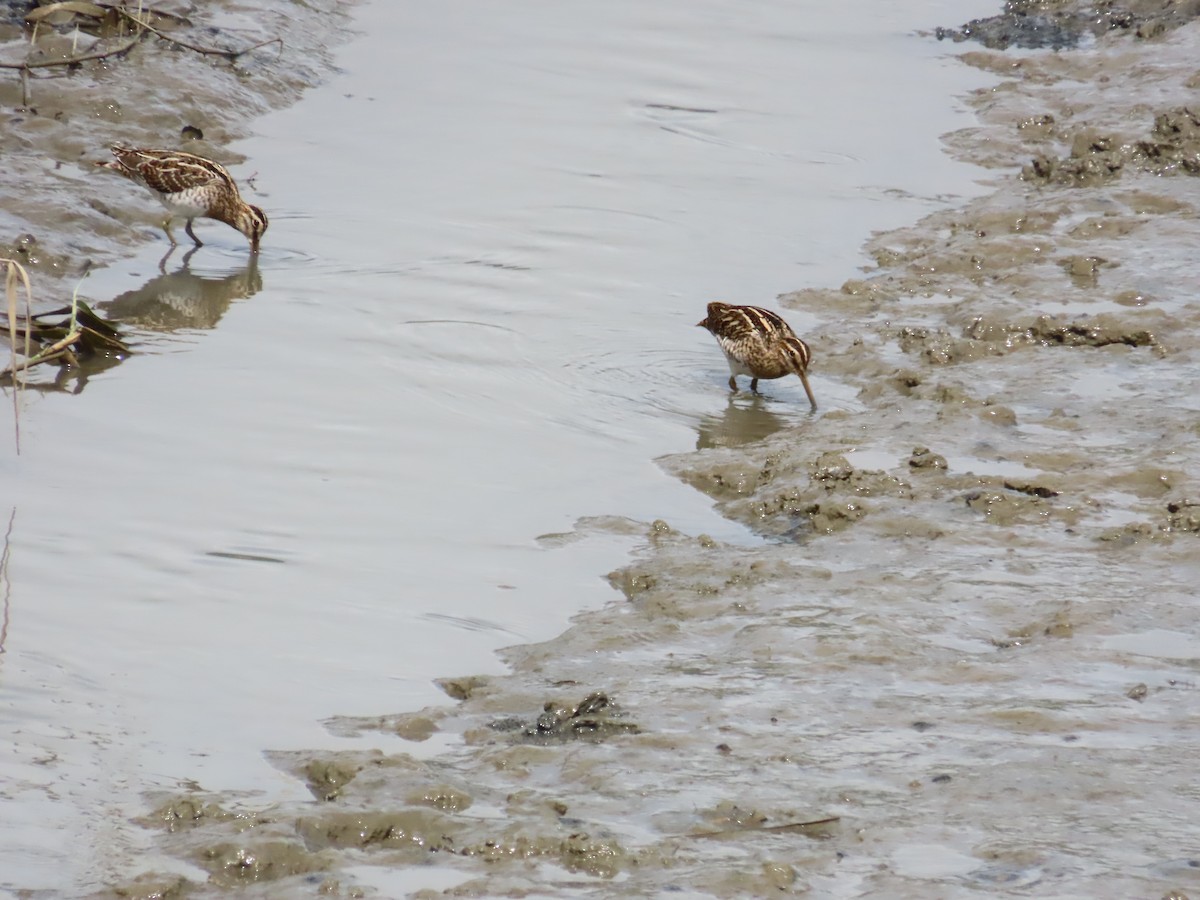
x=190 y=187
x=758 y=343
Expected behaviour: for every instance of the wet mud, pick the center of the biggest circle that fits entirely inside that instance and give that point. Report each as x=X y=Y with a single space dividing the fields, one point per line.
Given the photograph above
x=960 y=662
x=1065 y=24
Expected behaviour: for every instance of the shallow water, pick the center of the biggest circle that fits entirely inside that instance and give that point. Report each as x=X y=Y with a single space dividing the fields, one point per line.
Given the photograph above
x=320 y=484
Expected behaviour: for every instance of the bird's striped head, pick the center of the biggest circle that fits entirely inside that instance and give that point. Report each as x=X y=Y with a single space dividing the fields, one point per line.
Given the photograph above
x=797 y=353
x=252 y=222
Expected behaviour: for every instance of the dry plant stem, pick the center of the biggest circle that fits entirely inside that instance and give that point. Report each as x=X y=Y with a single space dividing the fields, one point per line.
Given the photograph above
x=45 y=355
x=13 y=269
x=785 y=827
x=7 y=585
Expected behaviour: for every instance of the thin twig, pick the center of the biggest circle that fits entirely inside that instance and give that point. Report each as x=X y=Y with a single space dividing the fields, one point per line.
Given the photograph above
x=785 y=827
x=48 y=63
x=230 y=55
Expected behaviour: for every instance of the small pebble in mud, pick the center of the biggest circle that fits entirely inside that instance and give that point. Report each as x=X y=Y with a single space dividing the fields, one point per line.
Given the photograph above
x=1131 y=298
x=724 y=748
x=461 y=688
x=595 y=718
x=998 y=415
x=1083 y=270
x=940 y=779
x=924 y=458
x=1184 y=515
x=922 y=726
x=326 y=778
x=1138 y=692
x=1036 y=126
x=1129 y=534
x=779 y=876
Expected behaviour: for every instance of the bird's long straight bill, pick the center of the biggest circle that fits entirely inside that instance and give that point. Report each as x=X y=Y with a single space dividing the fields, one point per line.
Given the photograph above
x=807 y=389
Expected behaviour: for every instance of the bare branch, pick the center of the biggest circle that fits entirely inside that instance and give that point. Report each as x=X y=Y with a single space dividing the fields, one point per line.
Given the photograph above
x=230 y=55
x=49 y=63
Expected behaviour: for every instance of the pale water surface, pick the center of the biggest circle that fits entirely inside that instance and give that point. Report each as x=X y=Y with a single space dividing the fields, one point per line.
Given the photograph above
x=472 y=323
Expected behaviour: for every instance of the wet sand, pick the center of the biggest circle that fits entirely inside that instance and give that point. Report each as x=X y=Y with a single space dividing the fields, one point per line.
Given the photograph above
x=968 y=637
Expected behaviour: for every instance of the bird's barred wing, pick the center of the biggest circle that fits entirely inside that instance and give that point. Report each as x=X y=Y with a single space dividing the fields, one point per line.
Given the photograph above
x=739 y=323
x=170 y=171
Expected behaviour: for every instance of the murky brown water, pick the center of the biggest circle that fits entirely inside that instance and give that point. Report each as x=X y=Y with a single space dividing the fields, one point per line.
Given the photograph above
x=953 y=611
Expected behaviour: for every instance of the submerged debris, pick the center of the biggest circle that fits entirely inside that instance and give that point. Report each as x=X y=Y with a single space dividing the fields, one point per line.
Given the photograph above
x=728 y=819
x=63 y=336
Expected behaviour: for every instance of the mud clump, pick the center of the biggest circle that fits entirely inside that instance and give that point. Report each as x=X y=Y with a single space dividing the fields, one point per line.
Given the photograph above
x=1057 y=624
x=417 y=830
x=791 y=498
x=1097 y=333
x=1062 y=24
x=595 y=718
x=985 y=337
x=326 y=778
x=1004 y=508
x=598 y=857
x=184 y=813
x=462 y=688
x=443 y=797
x=1172 y=147
x=233 y=865
x=1183 y=516
x=924 y=458
x=153 y=886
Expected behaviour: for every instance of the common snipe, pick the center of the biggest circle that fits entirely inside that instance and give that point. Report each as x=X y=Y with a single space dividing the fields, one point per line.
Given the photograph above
x=758 y=343
x=190 y=187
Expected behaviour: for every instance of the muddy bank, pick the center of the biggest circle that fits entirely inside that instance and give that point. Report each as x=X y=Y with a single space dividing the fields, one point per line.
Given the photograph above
x=961 y=661
x=60 y=215
x=1065 y=24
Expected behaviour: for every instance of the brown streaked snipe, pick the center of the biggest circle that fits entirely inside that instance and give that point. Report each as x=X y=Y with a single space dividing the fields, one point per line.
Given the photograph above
x=758 y=343
x=190 y=187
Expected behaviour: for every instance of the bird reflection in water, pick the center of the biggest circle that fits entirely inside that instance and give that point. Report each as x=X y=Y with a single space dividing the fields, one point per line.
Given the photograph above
x=741 y=423
x=183 y=299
